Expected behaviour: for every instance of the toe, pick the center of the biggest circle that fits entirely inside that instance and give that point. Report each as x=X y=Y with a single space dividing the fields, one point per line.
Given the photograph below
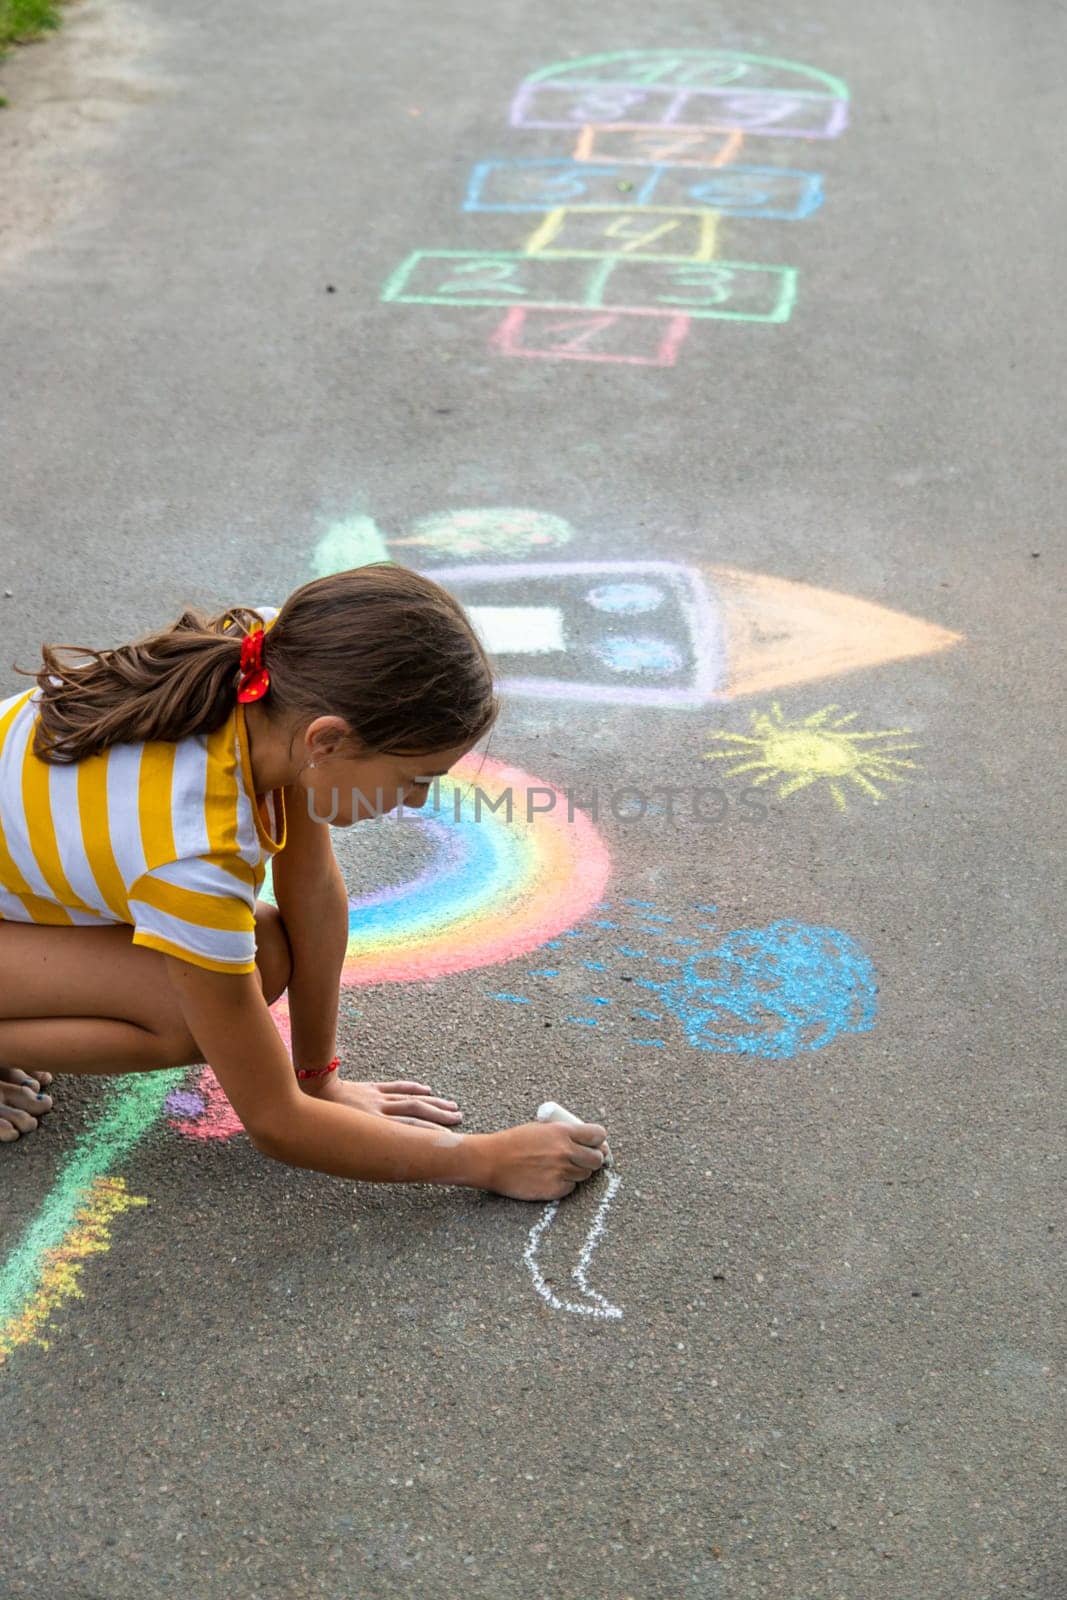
x=21 y=1120
x=24 y=1098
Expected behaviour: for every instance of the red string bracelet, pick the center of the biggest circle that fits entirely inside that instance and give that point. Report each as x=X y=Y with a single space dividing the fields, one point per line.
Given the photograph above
x=318 y=1072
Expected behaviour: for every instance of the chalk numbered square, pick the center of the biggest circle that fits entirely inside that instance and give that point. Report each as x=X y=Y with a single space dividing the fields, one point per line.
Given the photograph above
x=476 y=278
x=630 y=338
x=738 y=290
x=776 y=193
x=565 y=105
x=633 y=144
x=546 y=185
x=642 y=232
x=778 y=112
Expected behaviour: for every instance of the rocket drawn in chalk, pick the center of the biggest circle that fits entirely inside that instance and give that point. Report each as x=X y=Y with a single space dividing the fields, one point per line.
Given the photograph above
x=660 y=633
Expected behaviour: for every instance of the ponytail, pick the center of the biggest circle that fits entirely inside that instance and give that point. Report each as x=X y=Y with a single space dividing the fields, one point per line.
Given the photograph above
x=179 y=681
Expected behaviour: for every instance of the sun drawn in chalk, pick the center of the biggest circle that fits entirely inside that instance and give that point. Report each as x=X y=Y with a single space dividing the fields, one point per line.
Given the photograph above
x=819 y=749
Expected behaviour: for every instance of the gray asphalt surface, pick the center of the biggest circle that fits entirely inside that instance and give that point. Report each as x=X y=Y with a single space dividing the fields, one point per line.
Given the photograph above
x=838 y=1372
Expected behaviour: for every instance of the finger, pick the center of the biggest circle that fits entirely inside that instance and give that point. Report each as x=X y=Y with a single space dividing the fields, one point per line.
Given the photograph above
x=585 y=1160
x=588 y=1133
x=414 y=1107
x=432 y=1100
x=404 y=1086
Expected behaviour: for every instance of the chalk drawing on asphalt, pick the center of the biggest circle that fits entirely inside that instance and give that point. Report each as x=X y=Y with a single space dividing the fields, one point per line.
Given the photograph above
x=460 y=535
x=697 y=635
x=651 y=981
x=43 y=1268
x=819 y=749
x=724 y=90
x=594 y=1304
x=773 y=193
x=498 y=530
x=627 y=255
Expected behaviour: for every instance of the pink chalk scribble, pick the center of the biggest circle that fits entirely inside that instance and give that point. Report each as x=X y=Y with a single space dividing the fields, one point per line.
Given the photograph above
x=629 y=337
x=201 y=1110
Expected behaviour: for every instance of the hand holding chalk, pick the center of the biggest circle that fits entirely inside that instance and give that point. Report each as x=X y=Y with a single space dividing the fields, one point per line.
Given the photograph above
x=552 y=1111
x=538 y=1162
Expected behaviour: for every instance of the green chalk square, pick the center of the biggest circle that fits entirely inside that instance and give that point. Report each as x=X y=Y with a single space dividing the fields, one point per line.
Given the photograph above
x=740 y=291
x=488 y=278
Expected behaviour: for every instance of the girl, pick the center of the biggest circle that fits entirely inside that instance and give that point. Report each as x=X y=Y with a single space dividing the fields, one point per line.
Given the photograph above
x=141 y=791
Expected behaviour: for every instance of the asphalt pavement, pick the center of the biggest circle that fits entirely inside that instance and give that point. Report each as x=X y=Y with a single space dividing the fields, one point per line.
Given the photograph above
x=715 y=359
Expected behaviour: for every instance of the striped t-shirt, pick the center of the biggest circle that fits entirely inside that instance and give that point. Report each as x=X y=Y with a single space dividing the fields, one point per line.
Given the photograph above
x=166 y=837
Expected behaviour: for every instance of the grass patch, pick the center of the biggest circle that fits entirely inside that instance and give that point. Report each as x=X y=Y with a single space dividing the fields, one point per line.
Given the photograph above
x=25 y=19
x=21 y=20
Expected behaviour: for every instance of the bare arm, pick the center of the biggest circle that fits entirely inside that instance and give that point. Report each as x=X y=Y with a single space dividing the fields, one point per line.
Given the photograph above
x=313 y=902
x=229 y=1020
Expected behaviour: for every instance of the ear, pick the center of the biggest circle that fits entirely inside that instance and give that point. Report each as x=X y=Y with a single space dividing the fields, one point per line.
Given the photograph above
x=328 y=736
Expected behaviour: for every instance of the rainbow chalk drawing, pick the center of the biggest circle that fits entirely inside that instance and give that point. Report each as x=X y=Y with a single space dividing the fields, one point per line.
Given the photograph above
x=631 y=220
x=696 y=634
x=56 y=1281
x=818 y=749
x=494 y=889
x=42 y=1269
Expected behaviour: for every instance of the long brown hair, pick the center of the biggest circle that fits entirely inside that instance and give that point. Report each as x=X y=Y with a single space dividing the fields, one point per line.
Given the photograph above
x=383 y=647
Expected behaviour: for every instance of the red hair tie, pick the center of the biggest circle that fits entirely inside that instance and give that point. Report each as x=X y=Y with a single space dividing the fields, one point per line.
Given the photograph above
x=254 y=679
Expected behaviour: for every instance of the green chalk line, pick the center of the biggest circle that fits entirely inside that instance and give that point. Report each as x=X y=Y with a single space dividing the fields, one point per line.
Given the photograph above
x=129 y=1110
x=354 y=542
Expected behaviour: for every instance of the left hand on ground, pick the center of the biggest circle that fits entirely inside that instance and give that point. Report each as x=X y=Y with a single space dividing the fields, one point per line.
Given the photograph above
x=404 y=1099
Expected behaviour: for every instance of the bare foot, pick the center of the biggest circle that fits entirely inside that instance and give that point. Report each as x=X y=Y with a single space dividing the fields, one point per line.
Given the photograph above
x=22 y=1101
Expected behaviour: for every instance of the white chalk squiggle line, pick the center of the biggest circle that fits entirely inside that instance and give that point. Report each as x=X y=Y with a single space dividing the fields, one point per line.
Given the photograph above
x=602 y=1307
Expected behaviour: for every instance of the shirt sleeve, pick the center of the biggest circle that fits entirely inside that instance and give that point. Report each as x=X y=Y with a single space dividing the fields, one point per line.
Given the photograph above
x=201 y=909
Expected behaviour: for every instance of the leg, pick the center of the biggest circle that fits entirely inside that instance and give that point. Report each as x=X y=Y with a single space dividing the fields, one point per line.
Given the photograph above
x=89 y=1000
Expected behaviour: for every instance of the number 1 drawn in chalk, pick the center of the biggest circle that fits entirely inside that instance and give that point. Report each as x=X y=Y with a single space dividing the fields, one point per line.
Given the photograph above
x=594 y=1305
x=588 y=328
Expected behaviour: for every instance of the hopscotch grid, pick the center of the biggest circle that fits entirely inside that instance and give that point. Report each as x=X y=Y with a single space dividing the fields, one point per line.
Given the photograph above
x=770 y=109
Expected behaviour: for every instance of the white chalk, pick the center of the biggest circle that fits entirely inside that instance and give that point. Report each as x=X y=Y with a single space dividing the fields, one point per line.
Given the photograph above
x=552 y=1111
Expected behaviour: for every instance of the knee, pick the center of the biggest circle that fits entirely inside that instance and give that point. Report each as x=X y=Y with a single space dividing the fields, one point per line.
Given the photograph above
x=274 y=958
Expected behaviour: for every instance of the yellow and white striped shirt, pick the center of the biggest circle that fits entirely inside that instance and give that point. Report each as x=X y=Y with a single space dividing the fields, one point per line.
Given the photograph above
x=168 y=838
